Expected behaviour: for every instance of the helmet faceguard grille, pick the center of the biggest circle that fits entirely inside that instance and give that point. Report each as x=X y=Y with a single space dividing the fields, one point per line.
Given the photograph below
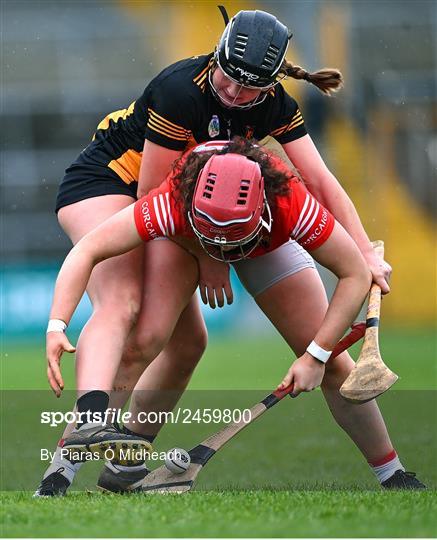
x=229 y=211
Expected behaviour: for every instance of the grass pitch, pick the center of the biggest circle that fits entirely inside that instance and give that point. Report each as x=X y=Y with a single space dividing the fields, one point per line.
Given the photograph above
x=233 y=363
x=292 y=473
x=222 y=514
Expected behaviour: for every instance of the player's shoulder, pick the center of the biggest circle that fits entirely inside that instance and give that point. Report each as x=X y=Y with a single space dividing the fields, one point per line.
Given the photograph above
x=278 y=109
x=295 y=189
x=186 y=75
x=283 y=98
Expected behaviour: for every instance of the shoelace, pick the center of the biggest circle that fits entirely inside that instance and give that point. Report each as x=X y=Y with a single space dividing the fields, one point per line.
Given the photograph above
x=411 y=475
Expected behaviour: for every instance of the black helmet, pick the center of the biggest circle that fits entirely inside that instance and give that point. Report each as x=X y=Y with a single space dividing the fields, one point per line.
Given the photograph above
x=252 y=48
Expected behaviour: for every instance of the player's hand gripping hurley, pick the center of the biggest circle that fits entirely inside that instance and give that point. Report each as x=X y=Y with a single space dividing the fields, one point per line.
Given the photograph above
x=370 y=376
x=162 y=480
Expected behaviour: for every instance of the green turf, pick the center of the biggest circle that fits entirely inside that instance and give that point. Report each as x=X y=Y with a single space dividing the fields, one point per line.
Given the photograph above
x=224 y=514
x=323 y=487
x=296 y=443
x=242 y=364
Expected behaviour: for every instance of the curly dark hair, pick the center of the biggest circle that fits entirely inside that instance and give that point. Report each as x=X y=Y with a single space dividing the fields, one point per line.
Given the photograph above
x=185 y=173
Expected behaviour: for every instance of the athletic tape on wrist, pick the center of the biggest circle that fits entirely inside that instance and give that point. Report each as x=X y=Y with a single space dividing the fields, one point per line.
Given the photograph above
x=318 y=353
x=56 y=325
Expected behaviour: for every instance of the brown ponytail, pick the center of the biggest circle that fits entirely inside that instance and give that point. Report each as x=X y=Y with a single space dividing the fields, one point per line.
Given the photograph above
x=327 y=80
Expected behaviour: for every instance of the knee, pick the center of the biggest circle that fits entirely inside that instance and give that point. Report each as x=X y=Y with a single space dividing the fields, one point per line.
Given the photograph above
x=195 y=346
x=140 y=351
x=123 y=309
x=182 y=352
x=185 y=354
x=130 y=310
x=146 y=343
x=337 y=371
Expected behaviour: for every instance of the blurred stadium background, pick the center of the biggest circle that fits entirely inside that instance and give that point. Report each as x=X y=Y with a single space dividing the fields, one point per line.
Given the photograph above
x=65 y=65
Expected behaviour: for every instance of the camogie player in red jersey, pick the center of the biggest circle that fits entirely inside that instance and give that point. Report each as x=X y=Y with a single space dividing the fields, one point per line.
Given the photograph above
x=241 y=203
x=234 y=90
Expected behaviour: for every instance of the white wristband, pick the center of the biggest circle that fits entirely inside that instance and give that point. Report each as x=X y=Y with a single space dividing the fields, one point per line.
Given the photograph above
x=318 y=353
x=56 y=325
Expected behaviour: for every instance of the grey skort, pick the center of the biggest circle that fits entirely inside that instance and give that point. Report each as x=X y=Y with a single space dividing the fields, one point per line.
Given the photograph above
x=260 y=273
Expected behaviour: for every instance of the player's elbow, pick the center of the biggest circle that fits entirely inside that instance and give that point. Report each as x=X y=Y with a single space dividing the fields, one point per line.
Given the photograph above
x=87 y=253
x=365 y=278
x=361 y=277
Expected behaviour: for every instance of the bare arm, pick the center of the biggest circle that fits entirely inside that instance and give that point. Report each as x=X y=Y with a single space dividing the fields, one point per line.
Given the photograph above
x=156 y=163
x=341 y=255
x=114 y=236
x=326 y=189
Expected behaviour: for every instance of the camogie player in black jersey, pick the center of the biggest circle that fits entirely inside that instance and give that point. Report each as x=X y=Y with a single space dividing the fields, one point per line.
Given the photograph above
x=146 y=331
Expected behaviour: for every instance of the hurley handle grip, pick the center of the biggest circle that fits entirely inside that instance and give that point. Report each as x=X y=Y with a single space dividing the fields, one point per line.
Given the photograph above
x=374 y=305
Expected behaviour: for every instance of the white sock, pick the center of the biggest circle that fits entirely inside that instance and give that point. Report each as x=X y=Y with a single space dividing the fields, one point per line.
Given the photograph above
x=118 y=468
x=387 y=466
x=70 y=469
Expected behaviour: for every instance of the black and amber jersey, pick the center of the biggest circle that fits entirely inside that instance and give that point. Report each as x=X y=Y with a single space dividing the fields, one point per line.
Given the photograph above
x=178 y=110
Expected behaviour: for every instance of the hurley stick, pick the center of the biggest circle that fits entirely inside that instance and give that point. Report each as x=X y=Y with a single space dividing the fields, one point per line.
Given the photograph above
x=370 y=377
x=161 y=480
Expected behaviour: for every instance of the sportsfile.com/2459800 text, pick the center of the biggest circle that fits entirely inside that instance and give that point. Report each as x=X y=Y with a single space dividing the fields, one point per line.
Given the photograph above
x=179 y=415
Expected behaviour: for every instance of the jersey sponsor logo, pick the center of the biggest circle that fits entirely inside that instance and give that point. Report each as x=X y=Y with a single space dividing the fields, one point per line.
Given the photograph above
x=145 y=210
x=318 y=230
x=214 y=126
x=247 y=74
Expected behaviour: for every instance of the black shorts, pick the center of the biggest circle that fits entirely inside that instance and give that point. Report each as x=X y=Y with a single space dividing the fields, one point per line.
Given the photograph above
x=85 y=179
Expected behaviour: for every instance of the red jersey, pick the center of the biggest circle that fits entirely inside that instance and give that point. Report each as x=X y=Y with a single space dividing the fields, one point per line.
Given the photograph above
x=296 y=215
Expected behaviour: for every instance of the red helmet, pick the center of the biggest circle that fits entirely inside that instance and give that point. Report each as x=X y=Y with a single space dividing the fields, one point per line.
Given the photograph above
x=228 y=208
